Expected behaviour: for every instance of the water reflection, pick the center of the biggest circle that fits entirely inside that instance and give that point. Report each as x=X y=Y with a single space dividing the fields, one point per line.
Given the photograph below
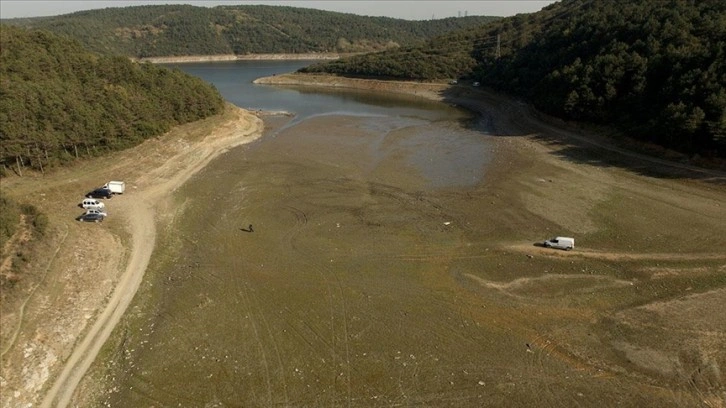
x=433 y=139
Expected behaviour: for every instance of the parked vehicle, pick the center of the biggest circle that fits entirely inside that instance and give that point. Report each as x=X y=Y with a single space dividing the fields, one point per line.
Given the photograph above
x=91 y=217
x=565 y=243
x=97 y=211
x=100 y=193
x=116 y=187
x=89 y=203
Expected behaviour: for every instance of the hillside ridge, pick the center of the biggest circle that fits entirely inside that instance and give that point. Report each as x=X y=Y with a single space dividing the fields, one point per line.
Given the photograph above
x=179 y=30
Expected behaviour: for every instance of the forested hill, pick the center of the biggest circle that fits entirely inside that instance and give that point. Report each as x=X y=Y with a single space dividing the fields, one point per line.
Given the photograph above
x=656 y=69
x=179 y=30
x=58 y=102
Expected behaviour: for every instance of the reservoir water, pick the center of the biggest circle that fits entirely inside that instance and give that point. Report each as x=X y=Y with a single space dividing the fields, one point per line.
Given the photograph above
x=434 y=135
x=345 y=293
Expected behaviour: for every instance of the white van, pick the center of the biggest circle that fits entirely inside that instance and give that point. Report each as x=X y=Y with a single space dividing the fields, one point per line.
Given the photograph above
x=116 y=187
x=92 y=203
x=565 y=243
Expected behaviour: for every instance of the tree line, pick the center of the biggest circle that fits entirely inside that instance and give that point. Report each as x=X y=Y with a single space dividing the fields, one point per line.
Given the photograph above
x=59 y=102
x=179 y=30
x=656 y=70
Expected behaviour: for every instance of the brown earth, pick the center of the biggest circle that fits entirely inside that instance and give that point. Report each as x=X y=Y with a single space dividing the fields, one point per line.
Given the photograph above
x=58 y=319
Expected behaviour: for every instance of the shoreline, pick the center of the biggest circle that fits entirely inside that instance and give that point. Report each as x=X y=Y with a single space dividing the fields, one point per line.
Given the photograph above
x=428 y=90
x=312 y=56
x=481 y=100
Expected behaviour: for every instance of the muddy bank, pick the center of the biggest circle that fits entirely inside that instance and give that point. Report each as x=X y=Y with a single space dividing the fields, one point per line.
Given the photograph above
x=520 y=114
x=429 y=90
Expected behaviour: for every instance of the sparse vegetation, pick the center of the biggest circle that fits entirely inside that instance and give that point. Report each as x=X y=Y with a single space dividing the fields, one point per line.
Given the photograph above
x=20 y=226
x=9 y=219
x=38 y=220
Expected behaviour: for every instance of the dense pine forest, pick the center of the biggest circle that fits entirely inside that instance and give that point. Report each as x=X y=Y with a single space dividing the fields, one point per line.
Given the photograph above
x=59 y=102
x=656 y=70
x=180 y=30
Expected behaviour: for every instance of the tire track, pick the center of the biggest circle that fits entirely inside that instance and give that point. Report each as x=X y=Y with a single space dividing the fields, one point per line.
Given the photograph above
x=333 y=285
x=345 y=334
x=245 y=289
x=274 y=342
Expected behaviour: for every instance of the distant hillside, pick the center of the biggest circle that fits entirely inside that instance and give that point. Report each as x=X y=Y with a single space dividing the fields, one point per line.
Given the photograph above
x=654 y=69
x=446 y=57
x=178 y=30
x=60 y=102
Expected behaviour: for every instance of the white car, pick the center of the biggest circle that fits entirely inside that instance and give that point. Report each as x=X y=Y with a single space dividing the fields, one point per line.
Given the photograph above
x=565 y=243
x=92 y=203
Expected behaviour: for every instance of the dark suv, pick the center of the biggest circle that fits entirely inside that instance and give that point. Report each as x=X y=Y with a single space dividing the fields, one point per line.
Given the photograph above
x=91 y=217
x=100 y=193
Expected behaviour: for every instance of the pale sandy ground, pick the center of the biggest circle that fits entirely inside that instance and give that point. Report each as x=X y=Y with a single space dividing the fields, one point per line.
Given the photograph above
x=52 y=336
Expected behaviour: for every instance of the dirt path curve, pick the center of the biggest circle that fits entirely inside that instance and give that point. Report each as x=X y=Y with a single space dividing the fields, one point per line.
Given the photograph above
x=142 y=214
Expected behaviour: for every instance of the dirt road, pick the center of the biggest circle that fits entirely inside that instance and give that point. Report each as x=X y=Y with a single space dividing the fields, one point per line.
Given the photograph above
x=152 y=170
x=155 y=187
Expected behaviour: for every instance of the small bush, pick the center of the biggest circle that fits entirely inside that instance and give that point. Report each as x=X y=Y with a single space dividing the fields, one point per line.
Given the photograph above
x=29 y=210
x=10 y=280
x=40 y=224
x=9 y=218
